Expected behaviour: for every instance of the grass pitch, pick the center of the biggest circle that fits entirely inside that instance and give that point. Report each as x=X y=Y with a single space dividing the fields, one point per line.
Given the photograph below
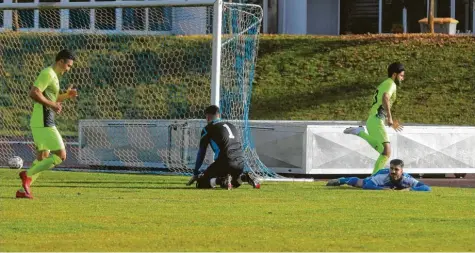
x=113 y=212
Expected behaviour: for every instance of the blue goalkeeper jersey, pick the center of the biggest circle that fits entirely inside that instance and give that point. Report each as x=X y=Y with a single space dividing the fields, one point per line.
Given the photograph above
x=382 y=179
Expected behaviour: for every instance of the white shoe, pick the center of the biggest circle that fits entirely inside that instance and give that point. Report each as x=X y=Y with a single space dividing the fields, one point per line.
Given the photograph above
x=354 y=130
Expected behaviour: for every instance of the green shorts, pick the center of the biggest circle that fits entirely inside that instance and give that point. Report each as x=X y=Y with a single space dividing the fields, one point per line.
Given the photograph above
x=377 y=129
x=47 y=138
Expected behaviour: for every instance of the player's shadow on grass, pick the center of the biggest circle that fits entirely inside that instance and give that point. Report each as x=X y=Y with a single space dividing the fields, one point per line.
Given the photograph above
x=336 y=95
x=115 y=182
x=341 y=188
x=118 y=187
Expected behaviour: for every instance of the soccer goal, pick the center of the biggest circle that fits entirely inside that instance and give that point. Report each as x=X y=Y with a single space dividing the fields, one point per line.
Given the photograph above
x=145 y=71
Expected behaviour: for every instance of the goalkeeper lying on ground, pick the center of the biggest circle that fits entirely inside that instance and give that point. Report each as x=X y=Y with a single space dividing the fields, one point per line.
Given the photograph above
x=386 y=179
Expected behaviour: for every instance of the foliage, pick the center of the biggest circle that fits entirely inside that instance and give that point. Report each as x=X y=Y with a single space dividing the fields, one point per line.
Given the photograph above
x=296 y=78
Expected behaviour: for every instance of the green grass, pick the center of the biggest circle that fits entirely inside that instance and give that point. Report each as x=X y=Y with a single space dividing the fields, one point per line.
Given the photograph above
x=110 y=212
x=334 y=78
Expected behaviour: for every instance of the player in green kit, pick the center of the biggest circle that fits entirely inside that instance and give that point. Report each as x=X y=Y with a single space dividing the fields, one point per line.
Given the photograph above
x=380 y=112
x=47 y=103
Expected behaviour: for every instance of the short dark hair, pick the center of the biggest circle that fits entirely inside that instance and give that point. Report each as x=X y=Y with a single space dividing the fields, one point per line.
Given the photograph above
x=212 y=110
x=397 y=162
x=395 y=67
x=65 y=54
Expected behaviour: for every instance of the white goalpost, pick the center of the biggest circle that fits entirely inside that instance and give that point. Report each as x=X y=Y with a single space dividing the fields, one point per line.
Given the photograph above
x=145 y=71
x=216 y=67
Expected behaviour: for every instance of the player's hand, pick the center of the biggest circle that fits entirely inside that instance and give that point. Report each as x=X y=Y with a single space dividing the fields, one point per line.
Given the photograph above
x=397 y=126
x=390 y=122
x=72 y=92
x=192 y=180
x=57 y=107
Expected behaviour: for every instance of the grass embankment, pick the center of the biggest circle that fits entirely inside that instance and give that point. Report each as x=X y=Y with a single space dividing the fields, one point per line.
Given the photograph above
x=334 y=78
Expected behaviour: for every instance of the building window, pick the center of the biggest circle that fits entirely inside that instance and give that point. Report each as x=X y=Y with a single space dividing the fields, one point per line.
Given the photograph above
x=1 y=15
x=392 y=17
x=258 y=2
x=359 y=17
x=105 y=18
x=133 y=19
x=26 y=18
x=209 y=19
x=155 y=19
x=50 y=18
x=160 y=19
x=79 y=18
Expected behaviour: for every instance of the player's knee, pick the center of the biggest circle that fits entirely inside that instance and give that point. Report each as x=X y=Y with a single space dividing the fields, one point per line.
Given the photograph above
x=387 y=150
x=41 y=155
x=203 y=183
x=61 y=155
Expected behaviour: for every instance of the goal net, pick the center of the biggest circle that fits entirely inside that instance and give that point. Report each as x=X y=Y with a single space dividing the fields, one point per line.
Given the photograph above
x=143 y=71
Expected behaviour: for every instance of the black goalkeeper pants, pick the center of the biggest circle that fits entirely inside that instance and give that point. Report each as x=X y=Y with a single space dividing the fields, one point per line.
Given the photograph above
x=220 y=169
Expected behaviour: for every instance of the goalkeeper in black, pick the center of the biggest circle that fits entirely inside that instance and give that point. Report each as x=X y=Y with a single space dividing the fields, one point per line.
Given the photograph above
x=227 y=170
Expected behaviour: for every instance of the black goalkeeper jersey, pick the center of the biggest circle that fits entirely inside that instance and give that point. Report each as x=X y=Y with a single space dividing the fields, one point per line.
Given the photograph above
x=225 y=141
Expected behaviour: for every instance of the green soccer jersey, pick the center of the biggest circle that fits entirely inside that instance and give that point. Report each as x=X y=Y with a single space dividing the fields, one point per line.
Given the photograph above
x=48 y=83
x=377 y=109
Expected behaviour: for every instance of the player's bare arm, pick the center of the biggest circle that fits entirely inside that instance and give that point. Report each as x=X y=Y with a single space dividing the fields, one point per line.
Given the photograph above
x=70 y=93
x=38 y=96
x=387 y=108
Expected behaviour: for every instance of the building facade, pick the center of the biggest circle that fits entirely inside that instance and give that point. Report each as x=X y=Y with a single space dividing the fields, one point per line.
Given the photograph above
x=324 y=17
x=334 y=17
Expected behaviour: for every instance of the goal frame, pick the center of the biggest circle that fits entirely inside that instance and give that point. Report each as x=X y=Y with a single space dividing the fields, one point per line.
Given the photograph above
x=217 y=33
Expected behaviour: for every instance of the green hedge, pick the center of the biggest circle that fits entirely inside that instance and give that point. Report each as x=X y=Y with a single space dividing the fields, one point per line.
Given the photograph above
x=129 y=77
x=297 y=77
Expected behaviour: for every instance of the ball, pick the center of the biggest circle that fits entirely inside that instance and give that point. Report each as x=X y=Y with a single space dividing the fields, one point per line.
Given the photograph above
x=15 y=162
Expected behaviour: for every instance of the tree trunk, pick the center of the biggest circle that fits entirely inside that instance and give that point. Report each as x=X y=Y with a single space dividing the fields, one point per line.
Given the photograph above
x=430 y=20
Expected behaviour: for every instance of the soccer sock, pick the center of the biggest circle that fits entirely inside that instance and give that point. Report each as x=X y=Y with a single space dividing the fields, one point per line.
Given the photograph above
x=239 y=179
x=212 y=182
x=382 y=159
x=45 y=164
x=352 y=181
x=372 y=141
x=34 y=177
